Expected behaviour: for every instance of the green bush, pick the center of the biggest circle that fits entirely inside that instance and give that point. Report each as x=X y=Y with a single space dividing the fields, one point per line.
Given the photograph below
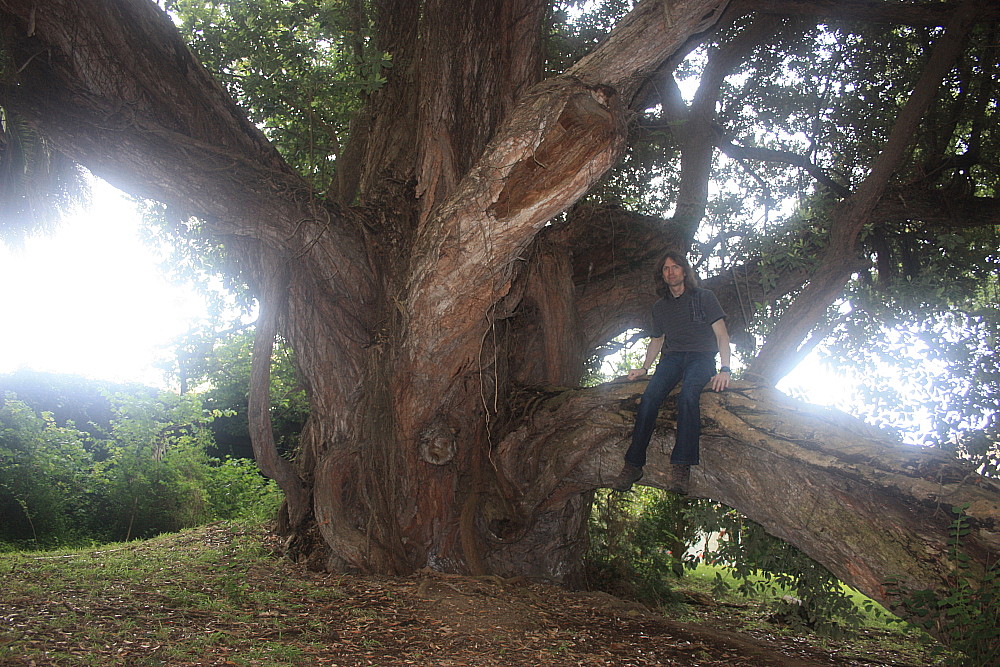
x=237 y=491
x=43 y=478
x=637 y=543
x=151 y=474
x=804 y=593
x=966 y=616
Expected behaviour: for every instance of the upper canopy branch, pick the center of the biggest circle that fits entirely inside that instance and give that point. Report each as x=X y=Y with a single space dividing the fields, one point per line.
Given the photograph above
x=938 y=207
x=739 y=152
x=112 y=84
x=651 y=33
x=869 y=11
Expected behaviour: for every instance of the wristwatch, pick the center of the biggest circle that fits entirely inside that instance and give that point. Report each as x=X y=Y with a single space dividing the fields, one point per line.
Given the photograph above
x=725 y=369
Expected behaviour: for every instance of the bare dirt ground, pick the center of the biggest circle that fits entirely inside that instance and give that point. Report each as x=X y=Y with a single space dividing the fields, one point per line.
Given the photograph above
x=198 y=600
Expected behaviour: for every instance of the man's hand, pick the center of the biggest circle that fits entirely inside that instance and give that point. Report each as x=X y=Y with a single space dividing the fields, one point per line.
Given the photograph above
x=636 y=373
x=719 y=381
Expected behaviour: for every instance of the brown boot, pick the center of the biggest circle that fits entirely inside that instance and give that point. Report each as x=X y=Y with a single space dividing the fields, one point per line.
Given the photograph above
x=626 y=478
x=680 y=478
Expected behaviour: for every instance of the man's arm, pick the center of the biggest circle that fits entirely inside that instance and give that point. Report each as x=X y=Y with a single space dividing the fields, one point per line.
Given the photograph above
x=652 y=350
x=721 y=379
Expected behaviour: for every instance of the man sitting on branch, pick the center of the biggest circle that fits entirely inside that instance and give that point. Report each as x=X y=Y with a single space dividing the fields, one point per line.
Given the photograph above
x=689 y=327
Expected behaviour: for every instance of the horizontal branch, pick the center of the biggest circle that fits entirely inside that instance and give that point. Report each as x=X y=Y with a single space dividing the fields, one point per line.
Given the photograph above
x=761 y=154
x=945 y=208
x=867 y=508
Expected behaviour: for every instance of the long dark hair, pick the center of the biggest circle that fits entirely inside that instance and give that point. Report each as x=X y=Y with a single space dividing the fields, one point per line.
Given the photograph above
x=690 y=279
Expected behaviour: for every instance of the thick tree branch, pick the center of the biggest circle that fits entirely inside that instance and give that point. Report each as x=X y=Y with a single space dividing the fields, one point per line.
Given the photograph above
x=867 y=11
x=560 y=139
x=944 y=208
x=695 y=127
x=113 y=86
x=507 y=39
x=643 y=40
x=867 y=508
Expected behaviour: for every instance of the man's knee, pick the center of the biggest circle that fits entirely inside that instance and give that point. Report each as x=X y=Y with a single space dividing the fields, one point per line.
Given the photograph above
x=689 y=396
x=648 y=406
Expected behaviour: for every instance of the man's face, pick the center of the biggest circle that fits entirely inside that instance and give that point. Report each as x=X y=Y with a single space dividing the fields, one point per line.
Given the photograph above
x=673 y=273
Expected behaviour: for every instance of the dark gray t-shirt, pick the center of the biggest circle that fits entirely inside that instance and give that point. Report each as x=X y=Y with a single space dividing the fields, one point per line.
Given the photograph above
x=686 y=322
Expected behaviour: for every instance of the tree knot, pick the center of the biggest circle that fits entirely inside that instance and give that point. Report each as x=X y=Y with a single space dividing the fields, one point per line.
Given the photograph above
x=437 y=445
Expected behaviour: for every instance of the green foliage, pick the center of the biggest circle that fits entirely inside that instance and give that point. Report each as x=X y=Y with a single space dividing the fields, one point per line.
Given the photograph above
x=38 y=185
x=641 y=542
x=299 y=68
x=193 y=257
x=935 y=382
x=153 y=473
x=637 y=543
x=149 y=474
x=43 y=477
x=578 y=26
x=68 y=398
x=966 y=614
x=237 y=491
x=218 y=365
x=767 y=567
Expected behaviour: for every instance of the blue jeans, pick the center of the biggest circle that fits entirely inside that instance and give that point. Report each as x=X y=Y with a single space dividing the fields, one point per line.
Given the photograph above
x=694 y=370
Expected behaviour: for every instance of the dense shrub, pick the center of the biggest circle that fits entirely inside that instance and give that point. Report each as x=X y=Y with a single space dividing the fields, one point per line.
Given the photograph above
x=150 y=475
x=43 y=477
x=637 y=543
x=236 y=490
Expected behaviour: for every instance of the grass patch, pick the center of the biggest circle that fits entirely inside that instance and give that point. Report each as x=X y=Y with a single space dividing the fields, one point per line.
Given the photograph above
x=880 y=633
x=174 y=598
x=220 y=595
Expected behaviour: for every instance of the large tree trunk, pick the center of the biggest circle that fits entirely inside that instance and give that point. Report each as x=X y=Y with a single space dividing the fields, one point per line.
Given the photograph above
x=420 y=313
x=414 y=470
